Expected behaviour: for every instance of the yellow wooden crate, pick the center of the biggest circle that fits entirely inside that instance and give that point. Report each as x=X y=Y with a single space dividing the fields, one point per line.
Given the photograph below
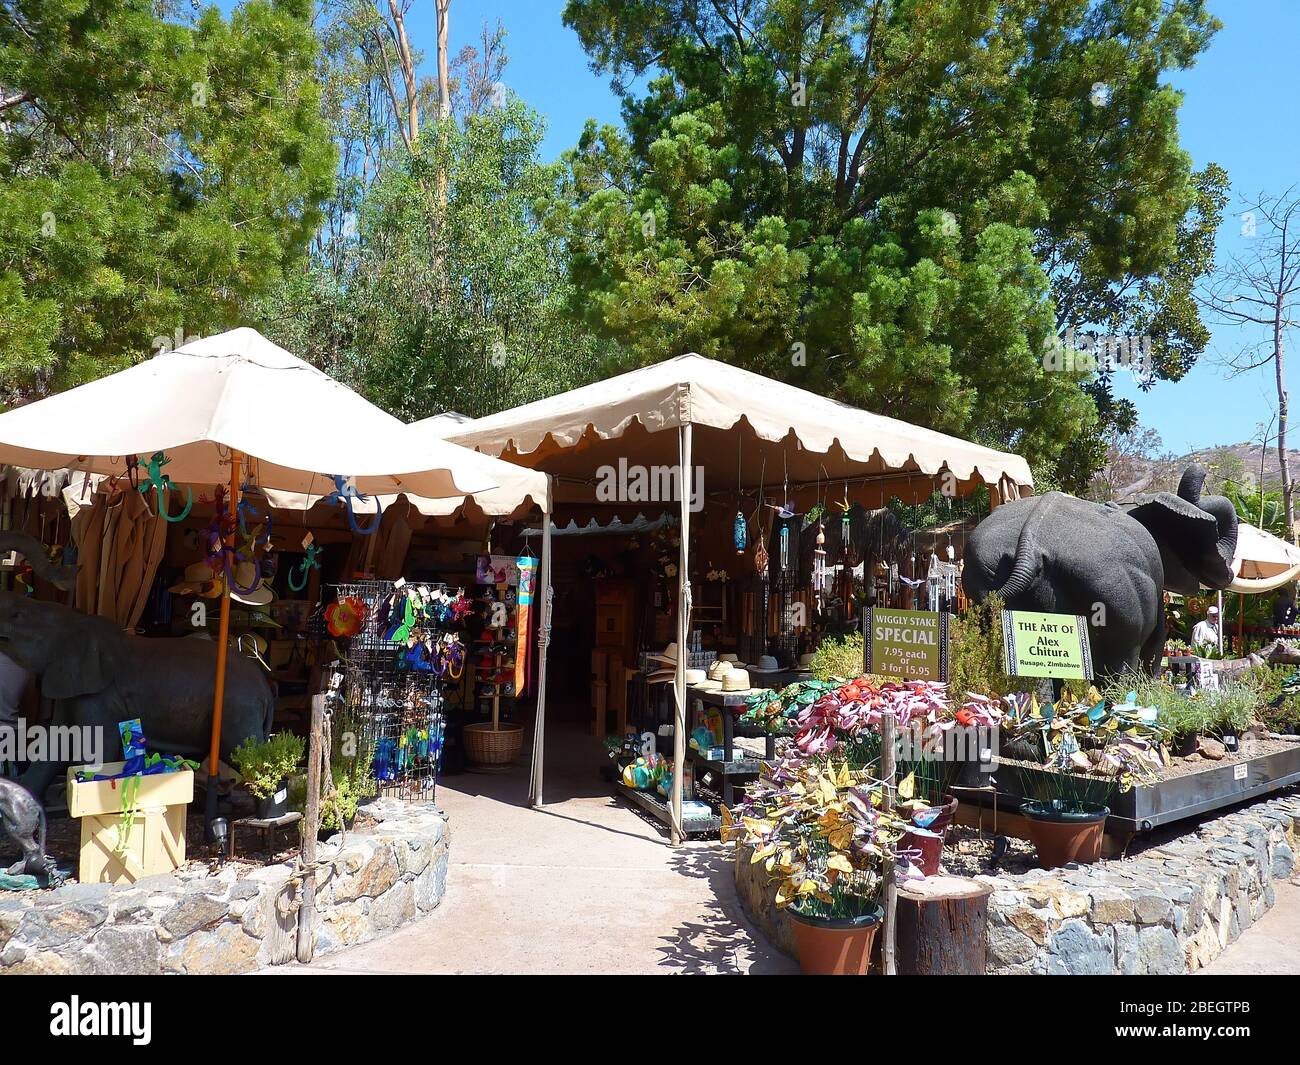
x=156 y=844
x=105 y=796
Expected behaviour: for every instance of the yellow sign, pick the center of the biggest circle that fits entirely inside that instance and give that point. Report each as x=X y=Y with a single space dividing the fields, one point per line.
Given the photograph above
x=1046 y=645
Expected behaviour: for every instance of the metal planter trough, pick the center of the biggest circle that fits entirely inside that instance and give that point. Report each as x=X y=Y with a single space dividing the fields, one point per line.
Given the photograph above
x=1174 y=799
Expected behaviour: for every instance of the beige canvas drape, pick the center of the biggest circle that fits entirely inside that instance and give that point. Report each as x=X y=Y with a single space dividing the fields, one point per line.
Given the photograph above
x=120 y=544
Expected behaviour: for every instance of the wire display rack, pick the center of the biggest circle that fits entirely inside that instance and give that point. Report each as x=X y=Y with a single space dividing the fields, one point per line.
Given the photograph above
x=402 y=710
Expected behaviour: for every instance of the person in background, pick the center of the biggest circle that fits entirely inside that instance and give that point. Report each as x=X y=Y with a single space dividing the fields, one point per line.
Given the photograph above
x=1206 y=632
x=1284 y=606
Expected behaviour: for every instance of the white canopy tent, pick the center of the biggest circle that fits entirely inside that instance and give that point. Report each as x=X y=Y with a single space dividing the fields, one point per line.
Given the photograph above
x=1263 y=562
x=236 y=403
x=755 y=432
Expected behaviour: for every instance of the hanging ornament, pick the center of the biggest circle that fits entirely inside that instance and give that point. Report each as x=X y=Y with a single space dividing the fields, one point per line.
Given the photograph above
x=785 y=546
x=740 y=533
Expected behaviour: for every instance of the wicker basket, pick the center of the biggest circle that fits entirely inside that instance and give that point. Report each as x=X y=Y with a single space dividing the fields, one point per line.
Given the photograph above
x=486 y=746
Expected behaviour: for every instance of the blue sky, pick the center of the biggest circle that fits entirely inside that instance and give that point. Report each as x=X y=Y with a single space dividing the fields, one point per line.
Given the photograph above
x=1238 y=111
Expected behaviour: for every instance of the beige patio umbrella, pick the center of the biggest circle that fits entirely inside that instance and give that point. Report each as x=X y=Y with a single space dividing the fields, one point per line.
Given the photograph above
x=230 y=402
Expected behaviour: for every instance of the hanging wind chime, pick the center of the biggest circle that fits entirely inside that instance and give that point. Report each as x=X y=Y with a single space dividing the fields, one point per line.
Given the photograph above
x=740 y=527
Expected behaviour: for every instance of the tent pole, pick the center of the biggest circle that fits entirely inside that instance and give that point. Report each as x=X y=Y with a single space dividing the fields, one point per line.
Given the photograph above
x=1219 y=626
x=219 y=692
x=543 y=642
x=684 y=483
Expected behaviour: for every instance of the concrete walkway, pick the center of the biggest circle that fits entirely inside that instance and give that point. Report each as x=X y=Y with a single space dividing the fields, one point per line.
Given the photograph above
x=1271 y=946
x=585 y=885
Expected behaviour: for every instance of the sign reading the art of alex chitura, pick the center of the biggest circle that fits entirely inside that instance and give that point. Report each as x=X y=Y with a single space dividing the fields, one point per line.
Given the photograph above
x=1046 y=645
x=908 y=644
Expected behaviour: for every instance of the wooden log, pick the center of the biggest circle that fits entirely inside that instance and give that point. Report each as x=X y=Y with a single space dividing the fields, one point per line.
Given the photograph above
x=311 y=826
x=942 y=927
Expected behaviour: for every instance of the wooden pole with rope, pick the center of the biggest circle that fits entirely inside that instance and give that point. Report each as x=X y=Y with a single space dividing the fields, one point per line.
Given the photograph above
x=223 y=639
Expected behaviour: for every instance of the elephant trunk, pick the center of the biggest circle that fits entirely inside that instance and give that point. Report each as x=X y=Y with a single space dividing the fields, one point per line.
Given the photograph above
x=1028 y=557
x=38 y=558
x=1191 y=483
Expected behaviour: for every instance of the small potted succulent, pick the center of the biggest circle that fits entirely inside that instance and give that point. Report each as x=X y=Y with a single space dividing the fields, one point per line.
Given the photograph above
x=1089 y=746
x=819 y=831
x=266 y=767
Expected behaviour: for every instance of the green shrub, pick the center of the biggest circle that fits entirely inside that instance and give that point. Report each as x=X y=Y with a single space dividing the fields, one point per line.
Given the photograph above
x=1278 y=708
x=839 y=658
x=352 y=756
x=975 y=654
x=1231 y=709
x=264 y=765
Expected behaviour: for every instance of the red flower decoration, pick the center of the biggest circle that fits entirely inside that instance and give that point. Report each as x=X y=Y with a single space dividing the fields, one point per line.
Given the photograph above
x=346 y=616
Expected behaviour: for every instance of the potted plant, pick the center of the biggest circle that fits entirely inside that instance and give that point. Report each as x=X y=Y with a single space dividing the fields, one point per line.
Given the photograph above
x=819 y=831
x=1230 y=712
x=1088 y=747
x=265 y=767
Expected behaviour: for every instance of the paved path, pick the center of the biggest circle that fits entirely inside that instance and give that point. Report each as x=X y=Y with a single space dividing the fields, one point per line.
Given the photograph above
x=584 y=886
x=1271 y=945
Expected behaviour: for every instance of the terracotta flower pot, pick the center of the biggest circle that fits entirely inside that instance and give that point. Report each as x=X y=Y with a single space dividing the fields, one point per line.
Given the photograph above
x=1064 y=831
x=927 y=846
x=835 y=946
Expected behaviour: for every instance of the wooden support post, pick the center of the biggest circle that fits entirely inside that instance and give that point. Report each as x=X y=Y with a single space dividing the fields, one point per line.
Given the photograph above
x=942 y=927
x=310 y=828
x=888 y=772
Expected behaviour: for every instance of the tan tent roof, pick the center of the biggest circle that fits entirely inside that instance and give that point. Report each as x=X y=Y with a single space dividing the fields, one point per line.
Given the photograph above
x=1262 y=562
x=239 y=391
x=831 y=441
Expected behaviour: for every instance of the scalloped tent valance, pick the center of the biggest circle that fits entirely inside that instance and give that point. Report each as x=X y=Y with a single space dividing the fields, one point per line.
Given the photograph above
x=817 y=440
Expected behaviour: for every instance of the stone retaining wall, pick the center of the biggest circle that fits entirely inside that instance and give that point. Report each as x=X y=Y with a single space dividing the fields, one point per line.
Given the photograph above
x=381 y=877
x=1171 y=909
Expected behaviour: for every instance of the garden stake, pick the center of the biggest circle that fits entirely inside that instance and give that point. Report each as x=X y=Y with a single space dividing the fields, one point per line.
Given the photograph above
x=888 y=773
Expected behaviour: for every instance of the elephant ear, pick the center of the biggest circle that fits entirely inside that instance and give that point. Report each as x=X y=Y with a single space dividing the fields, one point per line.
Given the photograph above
x=1197 y=535
x=90 y=653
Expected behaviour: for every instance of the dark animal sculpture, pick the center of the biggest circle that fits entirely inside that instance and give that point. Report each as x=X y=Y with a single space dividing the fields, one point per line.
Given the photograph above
x=1110 y=563
x=23 y=820
x=98 y=675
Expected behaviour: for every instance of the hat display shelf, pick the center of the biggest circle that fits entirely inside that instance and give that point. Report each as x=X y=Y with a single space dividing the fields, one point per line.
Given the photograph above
x=402 y=706
x=493 y=745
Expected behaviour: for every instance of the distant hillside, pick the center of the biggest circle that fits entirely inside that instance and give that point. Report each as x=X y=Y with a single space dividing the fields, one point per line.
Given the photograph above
x=1132 y=474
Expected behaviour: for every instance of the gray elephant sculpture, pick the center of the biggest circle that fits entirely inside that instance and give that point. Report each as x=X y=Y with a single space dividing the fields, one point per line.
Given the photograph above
x=1110 y=563
x=97 y=675
x=22 y=819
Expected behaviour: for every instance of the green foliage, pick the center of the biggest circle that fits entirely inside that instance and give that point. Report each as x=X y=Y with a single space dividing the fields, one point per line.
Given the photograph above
x=265 y=765
x=435 y=307
x=839 y=658
x=1261 y=508
x=975 y=652
x=884 y=200
x=1279 y=706
x=159 y=171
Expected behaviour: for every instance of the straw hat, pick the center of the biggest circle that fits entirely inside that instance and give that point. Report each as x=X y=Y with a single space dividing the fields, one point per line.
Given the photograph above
x=694 y=676
x=736 y=682
x=729 y=657
x=259 y=596
x=669 y=655
x=719 y=668
x=766 y=664
x=199 y=580
x=805 y=660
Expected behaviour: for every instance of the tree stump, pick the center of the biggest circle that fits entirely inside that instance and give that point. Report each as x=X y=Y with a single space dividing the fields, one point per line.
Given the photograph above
x=942 y=927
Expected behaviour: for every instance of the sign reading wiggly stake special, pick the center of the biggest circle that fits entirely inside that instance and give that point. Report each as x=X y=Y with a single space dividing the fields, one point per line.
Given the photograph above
x=908 y=644
x=1046 y=645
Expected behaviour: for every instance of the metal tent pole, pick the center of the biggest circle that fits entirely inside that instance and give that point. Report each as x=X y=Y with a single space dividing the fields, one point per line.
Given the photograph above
x=543 y=642
x=684 y=483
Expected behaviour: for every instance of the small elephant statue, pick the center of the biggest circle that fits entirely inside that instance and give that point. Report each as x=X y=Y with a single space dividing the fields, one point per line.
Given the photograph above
x=97 y=675
x=22 y=819
x=1058 y=554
